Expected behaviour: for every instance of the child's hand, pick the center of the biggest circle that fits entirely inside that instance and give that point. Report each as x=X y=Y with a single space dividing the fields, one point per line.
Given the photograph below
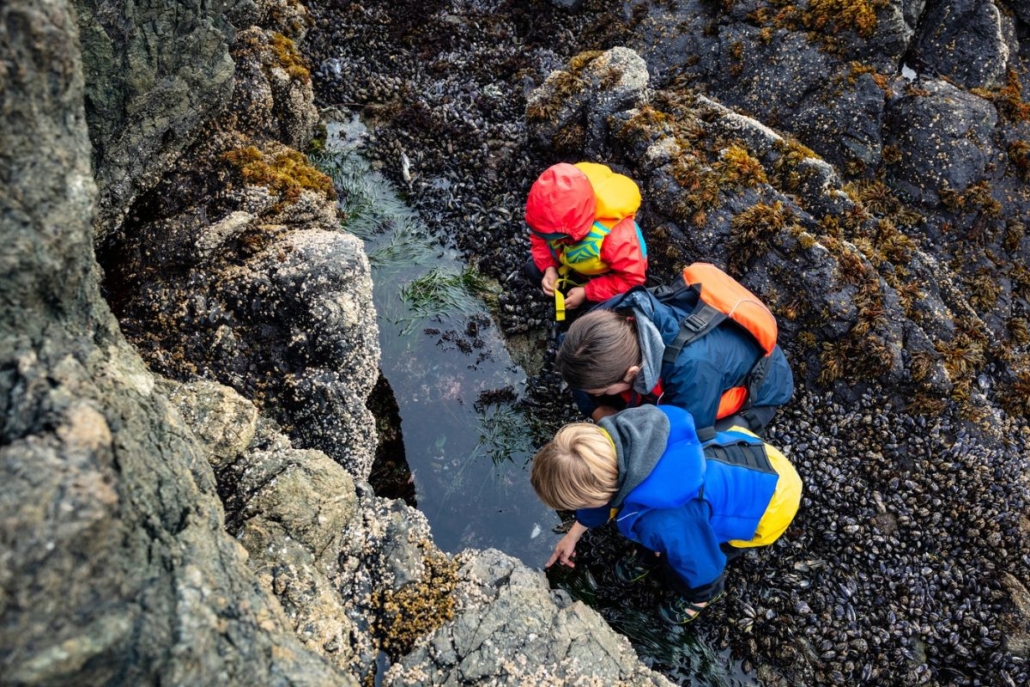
x=575 y=298
x=547 y=283
x=602 y=412
x=565 y=549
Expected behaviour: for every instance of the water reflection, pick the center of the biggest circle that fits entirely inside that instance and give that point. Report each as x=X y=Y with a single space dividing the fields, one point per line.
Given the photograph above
x=467 y=437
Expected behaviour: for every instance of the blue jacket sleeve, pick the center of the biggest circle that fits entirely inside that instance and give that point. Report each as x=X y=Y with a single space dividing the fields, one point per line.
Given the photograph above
x=593 y=517
x=686 y=538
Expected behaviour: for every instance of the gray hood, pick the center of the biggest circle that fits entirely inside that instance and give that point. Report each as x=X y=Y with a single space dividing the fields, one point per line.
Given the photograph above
x=640 y=436
x=652 y=348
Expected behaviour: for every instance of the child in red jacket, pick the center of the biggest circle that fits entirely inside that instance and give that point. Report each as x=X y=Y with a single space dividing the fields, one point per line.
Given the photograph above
x=583 y=230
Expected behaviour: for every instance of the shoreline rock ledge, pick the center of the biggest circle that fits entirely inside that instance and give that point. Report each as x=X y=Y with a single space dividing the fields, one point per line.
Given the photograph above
x=162 y=531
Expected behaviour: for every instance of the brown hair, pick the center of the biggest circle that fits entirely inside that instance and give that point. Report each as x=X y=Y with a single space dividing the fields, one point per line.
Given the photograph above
x=578 y=469
x=598 y=350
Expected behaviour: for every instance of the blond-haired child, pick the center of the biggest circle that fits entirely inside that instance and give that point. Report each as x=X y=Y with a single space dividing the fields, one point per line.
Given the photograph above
x=693 y=506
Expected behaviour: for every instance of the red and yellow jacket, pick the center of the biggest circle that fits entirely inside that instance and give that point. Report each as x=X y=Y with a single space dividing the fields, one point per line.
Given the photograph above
x=581 y=219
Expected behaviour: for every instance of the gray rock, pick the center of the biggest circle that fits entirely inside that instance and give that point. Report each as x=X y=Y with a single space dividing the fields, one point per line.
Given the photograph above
x=304 y=493
x=913 y=12
x=572 y=106
x=849 y=125
x=273 y=97
x=964 y=41
x=510 y=631
x=113 y=559
x=321 y=293
x=154 y=77
x=944 y=138
x=222 y=420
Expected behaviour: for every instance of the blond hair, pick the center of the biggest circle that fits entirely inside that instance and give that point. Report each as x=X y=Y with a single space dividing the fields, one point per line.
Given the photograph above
x=597 y=350
x=577 y=469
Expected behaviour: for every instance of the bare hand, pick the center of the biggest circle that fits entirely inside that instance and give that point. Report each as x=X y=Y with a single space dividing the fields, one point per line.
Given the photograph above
x=565 y=549
x=575 y=298
x=547 y=283
x=602 y=411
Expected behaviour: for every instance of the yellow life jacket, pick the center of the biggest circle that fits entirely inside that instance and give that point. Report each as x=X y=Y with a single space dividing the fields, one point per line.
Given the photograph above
x=617 y=197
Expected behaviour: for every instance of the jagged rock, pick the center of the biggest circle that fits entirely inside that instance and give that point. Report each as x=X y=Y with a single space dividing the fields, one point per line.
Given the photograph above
x=850 y=124
x=510 y=630
x=1018 y=642
x=273 y=96
x=287 y=17
x=571 y=107
x=220 y=418
x=963 y=40
x=302 y=491
x=153 y=78
x=945 y=139
x=317 y=287
x=250 y=218
x=113 y=559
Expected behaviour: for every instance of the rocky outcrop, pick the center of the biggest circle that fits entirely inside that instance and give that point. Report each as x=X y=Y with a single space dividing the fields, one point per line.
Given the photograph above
x=955 y=124
x=233 y=266
x=154 y=78
x=509 y=631
x=115 y=567
x=571 y=109
x=356 y=574
x=967 y=41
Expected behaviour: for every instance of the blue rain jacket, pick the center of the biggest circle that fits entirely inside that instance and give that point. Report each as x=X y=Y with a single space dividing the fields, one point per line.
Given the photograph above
x=685 y=506
x=703 y=370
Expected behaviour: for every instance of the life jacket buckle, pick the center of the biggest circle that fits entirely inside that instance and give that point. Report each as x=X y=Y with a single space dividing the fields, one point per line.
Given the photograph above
x=696 y=322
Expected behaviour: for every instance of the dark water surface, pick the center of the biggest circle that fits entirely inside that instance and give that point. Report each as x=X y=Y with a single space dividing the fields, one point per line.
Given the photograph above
x=466 y=434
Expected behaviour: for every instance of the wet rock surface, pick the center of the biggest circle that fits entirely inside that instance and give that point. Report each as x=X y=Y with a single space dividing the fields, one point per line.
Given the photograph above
x=144 y=112
x=120 y=564
x=510 y=629
x=231 y=266
x=114 y=563
x=889 y=243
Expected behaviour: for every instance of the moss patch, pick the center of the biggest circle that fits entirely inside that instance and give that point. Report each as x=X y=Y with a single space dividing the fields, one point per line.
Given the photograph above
x=1019 y=156
x=289 y=57
x=738 y=168
x=285 y=174
x=417 y=609
x=1008 y=99
x=976 y=198
x=788 y=173
x=751 y=231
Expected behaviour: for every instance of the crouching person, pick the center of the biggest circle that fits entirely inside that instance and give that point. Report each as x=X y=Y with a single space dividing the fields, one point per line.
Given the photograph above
x=690 y=507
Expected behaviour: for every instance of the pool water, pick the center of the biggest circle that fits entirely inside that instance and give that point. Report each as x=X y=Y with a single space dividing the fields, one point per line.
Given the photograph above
x=466 y=433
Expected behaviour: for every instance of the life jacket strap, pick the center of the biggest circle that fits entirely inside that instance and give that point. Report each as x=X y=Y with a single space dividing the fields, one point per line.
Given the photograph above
x=702 y=320
x=754 y=380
